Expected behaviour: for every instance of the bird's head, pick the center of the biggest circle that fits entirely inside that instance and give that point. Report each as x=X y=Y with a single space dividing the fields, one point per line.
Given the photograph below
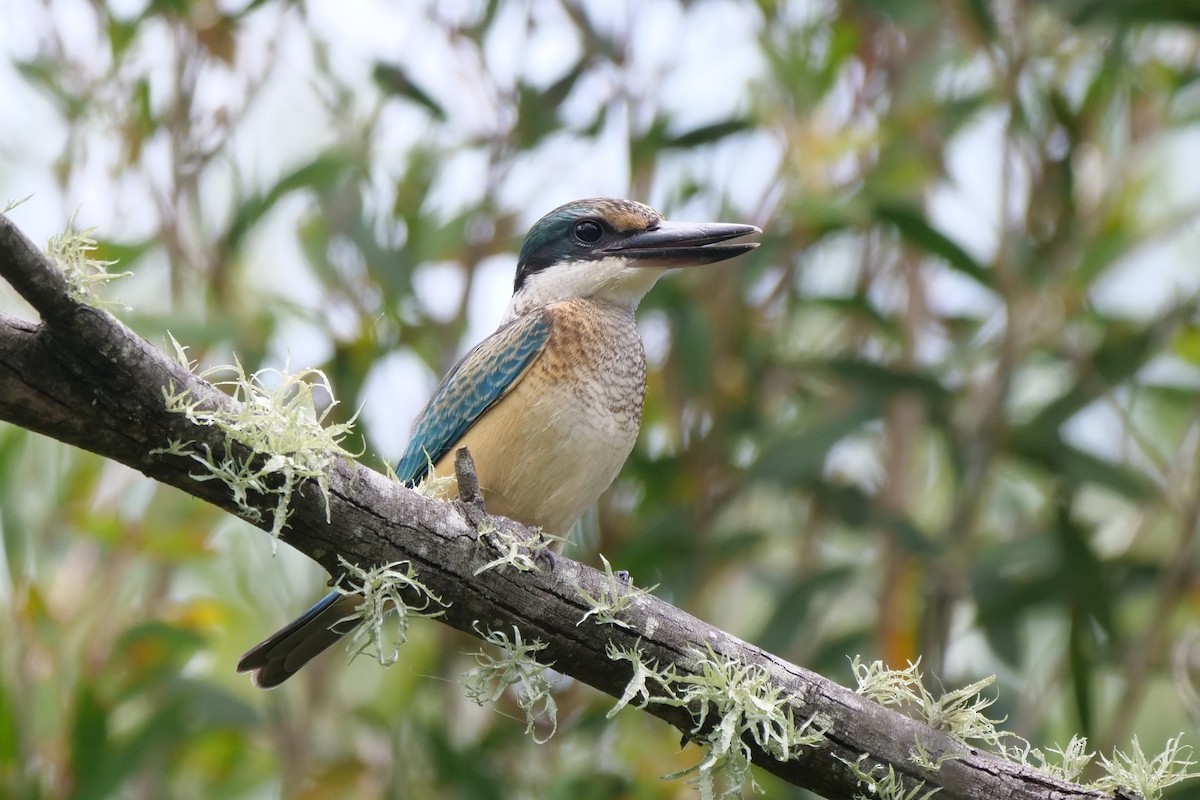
x=613 y=250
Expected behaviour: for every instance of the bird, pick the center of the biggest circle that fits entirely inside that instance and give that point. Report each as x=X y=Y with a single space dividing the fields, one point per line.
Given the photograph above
x=550 y=404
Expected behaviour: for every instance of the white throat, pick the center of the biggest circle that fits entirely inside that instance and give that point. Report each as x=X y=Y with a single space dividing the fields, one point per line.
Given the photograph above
x=611 y=280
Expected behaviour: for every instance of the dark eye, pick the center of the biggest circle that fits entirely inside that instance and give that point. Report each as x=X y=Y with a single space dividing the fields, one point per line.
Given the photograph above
x=588 y=231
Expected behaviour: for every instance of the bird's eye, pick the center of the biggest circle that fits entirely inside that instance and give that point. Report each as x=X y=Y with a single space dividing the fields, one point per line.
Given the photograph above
x=588 y=231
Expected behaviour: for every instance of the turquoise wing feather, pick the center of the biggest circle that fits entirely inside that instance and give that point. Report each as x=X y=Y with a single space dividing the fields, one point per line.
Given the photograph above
x=473 y=385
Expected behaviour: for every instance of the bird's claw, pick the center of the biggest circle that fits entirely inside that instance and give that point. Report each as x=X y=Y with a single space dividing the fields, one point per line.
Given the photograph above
x=545 y=556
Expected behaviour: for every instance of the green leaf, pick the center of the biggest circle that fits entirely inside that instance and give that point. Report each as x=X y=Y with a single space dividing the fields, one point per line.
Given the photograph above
x=1121 y=353
x=1111 y=243
x=168 y=8
x=912 y=225
x=556 y=93
x=593 y=785
x=321 y=174
x=645 y=147
x=211 y=706
x=881 y=381
x=1187 y=343
x=120 y=35
x=10 y=728
x=394 y=80
x=799 y=458
x=1011 y=580
x=1086 y=578
x=1089 y=601
x=954 y=114
x=467 y=767
x=537 y=118
x=89 y=745
x=1132 y=12
x=855 y=508
x=13 y=443
x=707 y=134
x=981 y=12
x=786 y=625
x=856 y=306
x=1078 y=467
x=1081 y=657
x=695 y=356
x=596 y=40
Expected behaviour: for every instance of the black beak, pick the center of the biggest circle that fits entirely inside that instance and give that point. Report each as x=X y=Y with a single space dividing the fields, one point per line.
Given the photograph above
x=683 y=244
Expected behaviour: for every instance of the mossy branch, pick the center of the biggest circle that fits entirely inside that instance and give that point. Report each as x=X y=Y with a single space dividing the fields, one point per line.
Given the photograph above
x=80 y=376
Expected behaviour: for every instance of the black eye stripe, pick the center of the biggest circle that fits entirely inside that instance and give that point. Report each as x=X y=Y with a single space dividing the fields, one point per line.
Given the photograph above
x=588 y=231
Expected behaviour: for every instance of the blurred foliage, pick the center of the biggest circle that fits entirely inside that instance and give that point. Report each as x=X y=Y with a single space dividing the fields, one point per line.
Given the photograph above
x=948 y=410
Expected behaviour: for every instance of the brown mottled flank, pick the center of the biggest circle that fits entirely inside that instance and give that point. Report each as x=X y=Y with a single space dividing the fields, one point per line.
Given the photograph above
x=578 y=406
x=627 y=215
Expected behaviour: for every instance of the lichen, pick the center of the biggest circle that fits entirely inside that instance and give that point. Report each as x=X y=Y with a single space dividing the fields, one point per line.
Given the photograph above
x=388 y=590
x=1149 y=776
x=729 y=702
x=616 y=594
x=960 y=714
x=274 y=417
x=515 y=666
x=516 y=551
x=887 y=785
x=72 y=251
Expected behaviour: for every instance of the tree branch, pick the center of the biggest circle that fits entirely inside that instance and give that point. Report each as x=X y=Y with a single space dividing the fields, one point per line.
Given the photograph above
x=83 y=378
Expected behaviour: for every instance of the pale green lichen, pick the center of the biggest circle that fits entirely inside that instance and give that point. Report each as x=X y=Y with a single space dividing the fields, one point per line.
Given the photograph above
x=174 y=448
x=885 y=786
x=516 y=551
x=960 y=714
x=638 y=685
x=1067 y=763
x=1149 y=776
x=275 y=418
x=516 y=666
x=921 y=756
x=744 y=702
x=616 y=594
x=437 y=487
x=729 y=701
x=72 y=251
x=388 y=590
x=9 y=205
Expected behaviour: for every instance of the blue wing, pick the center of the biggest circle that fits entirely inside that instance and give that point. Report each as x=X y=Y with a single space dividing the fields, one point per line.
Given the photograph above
x=473 y=385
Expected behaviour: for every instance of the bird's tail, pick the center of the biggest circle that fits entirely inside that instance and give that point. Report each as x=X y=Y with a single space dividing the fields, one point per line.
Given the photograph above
x=283 y=653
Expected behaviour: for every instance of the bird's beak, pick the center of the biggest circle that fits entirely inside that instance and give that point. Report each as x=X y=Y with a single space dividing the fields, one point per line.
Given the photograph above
x=684 y=244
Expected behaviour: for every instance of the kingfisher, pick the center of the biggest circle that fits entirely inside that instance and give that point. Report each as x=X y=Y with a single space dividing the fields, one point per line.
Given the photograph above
x=550 y=404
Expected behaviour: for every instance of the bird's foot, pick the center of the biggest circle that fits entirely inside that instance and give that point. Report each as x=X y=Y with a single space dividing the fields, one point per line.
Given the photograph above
x=544 y=554
x=514 y=547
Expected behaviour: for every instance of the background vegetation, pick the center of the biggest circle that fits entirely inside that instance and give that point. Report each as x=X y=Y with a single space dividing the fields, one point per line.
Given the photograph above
x=949 y=410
